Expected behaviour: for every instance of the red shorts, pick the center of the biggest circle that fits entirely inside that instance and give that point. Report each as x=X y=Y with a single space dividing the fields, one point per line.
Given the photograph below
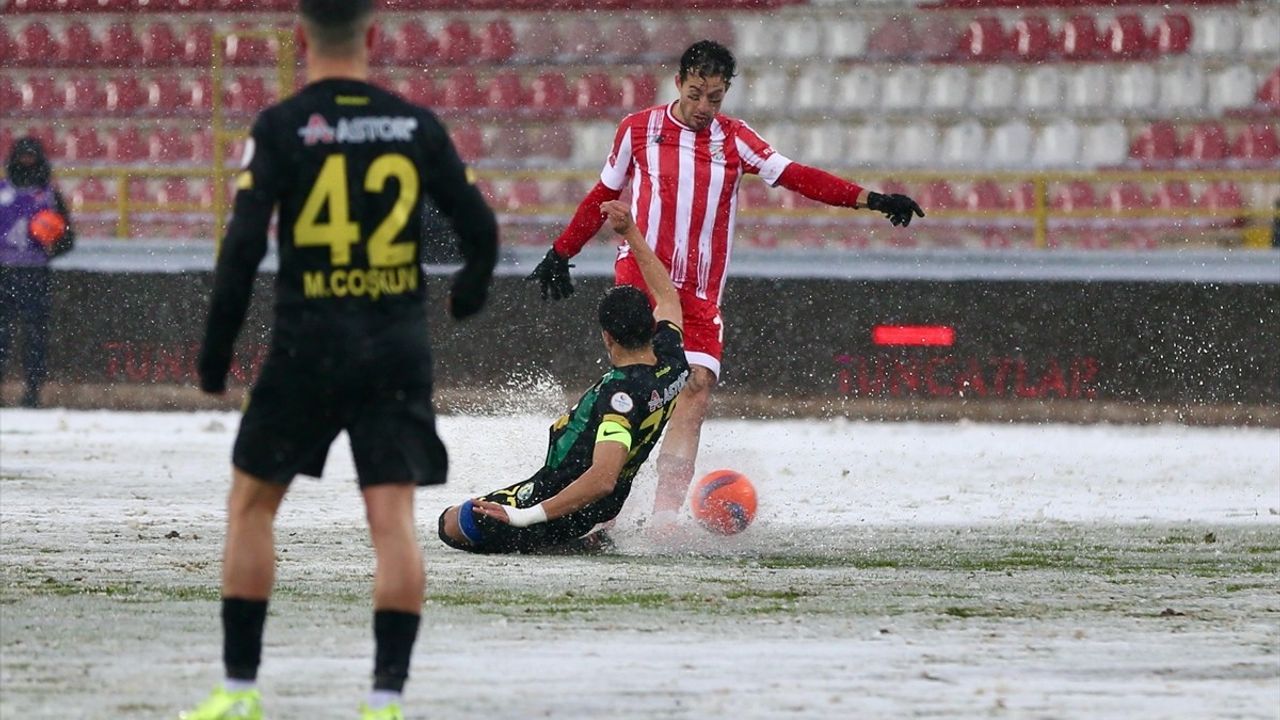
x=703 y=326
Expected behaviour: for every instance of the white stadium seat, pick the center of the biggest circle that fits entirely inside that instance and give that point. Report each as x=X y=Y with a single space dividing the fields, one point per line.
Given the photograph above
x=784 y=137
x=917 y=145
x=1216 y=32
x=1010 y=145
x=1043 y=89
x=801 y=38
x=964 y=145
x=1232 y=87
x=856 y=90
x=994 y=88
x=871 y=144
x=948 y=88
x=820 y=144
x=767 y=91
x=754 y=37
x=845 y=39
x=1106 y=143
x=812 y=89
x=592 y=142
x=1262 y=34
x=1135 y=87
x=1182 y=86
x=902 y=87
x=1089 y=88
x=1058 y=144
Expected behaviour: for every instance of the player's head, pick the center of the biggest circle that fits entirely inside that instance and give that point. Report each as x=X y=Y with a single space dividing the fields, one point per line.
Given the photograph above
x=27 y=165
x=706 y=69
x=336 y=28
x=626 y=317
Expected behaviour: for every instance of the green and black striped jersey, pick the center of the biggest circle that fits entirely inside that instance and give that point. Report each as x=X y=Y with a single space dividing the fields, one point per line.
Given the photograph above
x=630 y=404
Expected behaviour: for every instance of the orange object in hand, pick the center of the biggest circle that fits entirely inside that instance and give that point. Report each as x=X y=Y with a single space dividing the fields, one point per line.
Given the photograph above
x=47 y=227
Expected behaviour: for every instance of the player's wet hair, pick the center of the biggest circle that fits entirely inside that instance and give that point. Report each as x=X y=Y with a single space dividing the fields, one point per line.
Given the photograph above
x=626 y=315
x=335 y=27
x=708 y=58
x=27 y=165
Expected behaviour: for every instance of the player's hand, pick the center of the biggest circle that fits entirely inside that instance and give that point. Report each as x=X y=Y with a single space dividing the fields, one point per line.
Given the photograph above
x=466 y=296
x=552 y=275
x=898 y=208
x=513 y=516
x=619 y=215
x=490 y=509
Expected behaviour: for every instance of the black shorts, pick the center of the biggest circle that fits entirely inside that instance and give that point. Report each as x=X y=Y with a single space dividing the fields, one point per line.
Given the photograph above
x=298 y=407
x=499 y=537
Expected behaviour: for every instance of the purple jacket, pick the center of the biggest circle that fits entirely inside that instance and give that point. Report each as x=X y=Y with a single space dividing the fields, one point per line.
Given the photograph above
x=17 y=206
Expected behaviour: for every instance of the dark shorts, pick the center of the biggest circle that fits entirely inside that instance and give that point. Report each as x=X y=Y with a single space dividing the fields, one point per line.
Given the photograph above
x=499 y=537
x=298 y=407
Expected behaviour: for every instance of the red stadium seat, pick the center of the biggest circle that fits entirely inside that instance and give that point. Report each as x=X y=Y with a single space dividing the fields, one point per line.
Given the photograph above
x=80 y=47
x=539 y=43
x=497 y=42
x=383 y=51
x=458 y=45
x=983 y=40
x=170 y=146
x=160 y=45
x=1256 y=145
x=197 y=45
x=986 y=195
x=1075 y=195
x=164 y=95
x=82 y=96
x=198 y=96
x=84 y=146
x=414 y=45
x=1023 y=198
x=248 y=94
x=583 y=41
x=1125 y=38
x=595 y=94
x=39 y=96
x=639 y=90
x=174 y=191
x=1206 y=144
x=90 y=192
x=627 y=40
x=121 y=47
x=1032 y=39
x=248 y=50
x=506 y=91
x=1173 y=195
x=670 y=37
x=892 y=40
x=202 y=146
x=125 y=96
x=419 y=90
x=549 y=94
x=126 y=146
x=938 y=195
x=1269 y=92
x=554 y=144
x=461 y=91
x=756 y=195
x=1222 y=195
x=36 y=45
x=8 y=47
x=1156 y=145
x=524 y=193
x=1078 y=39
x=10 y=98
x=1173 y=35
x=1126 y=195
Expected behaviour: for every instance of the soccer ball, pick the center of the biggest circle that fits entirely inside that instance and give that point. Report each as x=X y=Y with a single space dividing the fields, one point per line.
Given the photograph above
x=724 y=502
x=47 y=227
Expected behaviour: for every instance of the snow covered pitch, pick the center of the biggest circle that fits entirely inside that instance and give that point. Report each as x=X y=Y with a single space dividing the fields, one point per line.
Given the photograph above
x=893 y=570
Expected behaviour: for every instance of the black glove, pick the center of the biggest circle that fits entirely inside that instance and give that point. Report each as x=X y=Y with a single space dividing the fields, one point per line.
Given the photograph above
x=553 y=275
x=467 y=295
x=898 y=208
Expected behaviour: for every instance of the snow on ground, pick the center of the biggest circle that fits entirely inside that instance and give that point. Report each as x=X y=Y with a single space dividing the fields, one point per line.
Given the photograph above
x=894 y=570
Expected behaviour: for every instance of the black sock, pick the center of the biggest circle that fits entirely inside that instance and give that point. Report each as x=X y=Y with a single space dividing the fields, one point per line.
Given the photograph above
x=242 y=622
x=393 y=634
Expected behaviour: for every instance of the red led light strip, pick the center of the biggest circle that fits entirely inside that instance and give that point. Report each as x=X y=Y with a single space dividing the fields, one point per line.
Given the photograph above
x=932 y=335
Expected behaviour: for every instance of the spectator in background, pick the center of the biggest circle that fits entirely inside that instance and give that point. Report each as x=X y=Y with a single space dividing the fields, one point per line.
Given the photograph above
x=35 y=227
x=684 y=161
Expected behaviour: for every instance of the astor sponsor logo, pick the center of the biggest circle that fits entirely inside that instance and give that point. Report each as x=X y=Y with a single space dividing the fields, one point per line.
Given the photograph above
x=656 y=401
x=358 y=130
x=372 y=283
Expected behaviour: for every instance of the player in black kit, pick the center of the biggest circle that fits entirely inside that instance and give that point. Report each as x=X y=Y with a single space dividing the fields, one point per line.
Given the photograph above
x=597 y=447
x=350 y=168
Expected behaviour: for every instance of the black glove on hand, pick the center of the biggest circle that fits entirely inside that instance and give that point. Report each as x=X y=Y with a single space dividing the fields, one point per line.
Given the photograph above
x=553 y=275
x=467 y=295
x=898 y=208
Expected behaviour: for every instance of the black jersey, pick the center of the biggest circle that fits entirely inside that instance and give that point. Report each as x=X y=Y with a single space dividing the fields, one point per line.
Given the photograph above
x=630 y=404
x=350 y=167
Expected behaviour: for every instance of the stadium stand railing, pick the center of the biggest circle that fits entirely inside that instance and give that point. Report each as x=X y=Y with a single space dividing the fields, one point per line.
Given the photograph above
x=1056 y=123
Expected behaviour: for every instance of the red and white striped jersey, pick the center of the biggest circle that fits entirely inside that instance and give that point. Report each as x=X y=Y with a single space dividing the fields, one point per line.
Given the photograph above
x=684 y=189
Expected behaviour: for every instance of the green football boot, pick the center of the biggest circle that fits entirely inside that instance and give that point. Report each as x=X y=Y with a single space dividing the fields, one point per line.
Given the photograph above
x=389 y=712
x=224 y=705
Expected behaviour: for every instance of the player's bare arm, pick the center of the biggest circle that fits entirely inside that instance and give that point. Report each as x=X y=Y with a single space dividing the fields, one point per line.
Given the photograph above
x=594 y=484
x=666 y=300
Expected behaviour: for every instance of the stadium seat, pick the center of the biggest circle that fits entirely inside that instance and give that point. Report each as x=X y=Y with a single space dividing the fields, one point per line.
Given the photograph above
x=811 y=90
x=582 y=41
x=414 y=45
x=1074 y=196
x=197 y=45
x=506 y=92
x=1256 y=145
x=35 y=45
x=856 y=91
x=537 y=42
x=1078 y=39
x=1221 y=195
x=202 y=146
x=820 y=143
x=8 y=47
x=893 y=39
x=169 y=146
x=1126 y=195
x=902 y=87
x=198 y=96
x=1135 y=87
x=458 y=45
x=124 y=96
x=947 y=89
x=964 y=145
x=80 y=96
x=1269 y=92
x=383 y=52
x=994 y=88
x=126 y=147
x=248 y=94
x=1089 y=88
x=497 y=41
x=1125 y=38
x=1173 y=35
x=1105 y=144
x=419 y=89
x=626 y=41
x=461 y=91
x=1232 y=88
x=1157 y=145
x=1216 y=32
x=549 y=94
x=1043 y=89
x=986 y=195
x=90 y=191
x=1183 y=87
x=870 y=144
x=164 y=95
x=10 y=97
x=984 y=40
x=120 y=48
x=799 y=38
x=1058 y=144
x=1173 y=195
x=1205 y=145
x=939 y=195
x=244 y=50
x=1262 y=34
x=79 y=46
x=524 y=194
x=766 y=91
x=917 y=144
x=671 y=34
x=757 y=39
x=553 y=145
x=639 y=90
x=845 y=38
x=1032 y=39
x=39 y=96
x=1011 y=145
x=160 y=45
x=468 y=139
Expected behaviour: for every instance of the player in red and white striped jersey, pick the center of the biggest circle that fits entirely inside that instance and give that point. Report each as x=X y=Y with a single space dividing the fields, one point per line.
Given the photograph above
x=684 y=162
